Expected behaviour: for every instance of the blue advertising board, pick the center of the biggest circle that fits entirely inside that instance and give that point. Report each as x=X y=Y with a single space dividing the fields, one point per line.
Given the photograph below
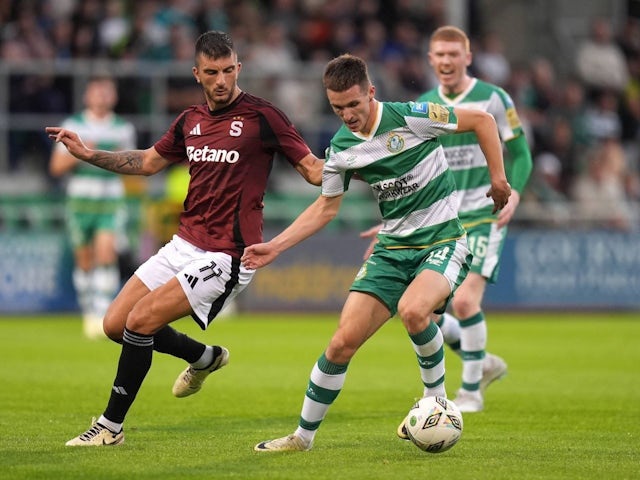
x=35 y=273
x=539 y=270
x=313 y=276
x=576 y=270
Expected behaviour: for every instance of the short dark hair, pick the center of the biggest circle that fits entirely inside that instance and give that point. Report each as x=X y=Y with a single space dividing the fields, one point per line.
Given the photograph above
x=214 y=44
x=344 y=72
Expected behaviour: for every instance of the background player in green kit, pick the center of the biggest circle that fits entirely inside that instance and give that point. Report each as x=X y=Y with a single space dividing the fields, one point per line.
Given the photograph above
x=95 y=202
x=466 y=333
x=422 y=254
x=449 y=56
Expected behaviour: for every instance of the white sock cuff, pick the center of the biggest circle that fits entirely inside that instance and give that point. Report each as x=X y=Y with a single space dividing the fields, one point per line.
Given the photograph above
x=113 y=426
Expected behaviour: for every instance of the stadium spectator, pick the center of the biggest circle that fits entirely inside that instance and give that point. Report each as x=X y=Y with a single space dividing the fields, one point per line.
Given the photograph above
x=572 y=106
x=286 y=13
x=413 y=78
x=26 y=29
x=95 y=202
x=212 y=16
x=62 y=38
x=422 y=254
x=540 y=96
x=600 y=191
x=146 y=35
x=413 y=75
x=544 y=200
x=628 y=39
x=559 y=142
x=490 y=62
x=344 y=37
x=630 y=113
x=602 y=116
x=425 y=16
x=42 y=93
x=273 y=54
x=600 y=61
x=181 y=90
x=230 y=143
x=86 y=20
x=114 y=28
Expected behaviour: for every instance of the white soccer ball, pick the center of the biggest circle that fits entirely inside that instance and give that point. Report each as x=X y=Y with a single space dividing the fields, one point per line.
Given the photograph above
x=434 y=424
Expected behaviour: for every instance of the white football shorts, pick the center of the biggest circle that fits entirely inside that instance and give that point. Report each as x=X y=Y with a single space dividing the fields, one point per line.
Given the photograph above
x=210 y=280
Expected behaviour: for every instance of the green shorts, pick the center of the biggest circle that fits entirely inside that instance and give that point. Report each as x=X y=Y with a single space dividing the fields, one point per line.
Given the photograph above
x=486 y=241
x=84 y=221
x=387 y=273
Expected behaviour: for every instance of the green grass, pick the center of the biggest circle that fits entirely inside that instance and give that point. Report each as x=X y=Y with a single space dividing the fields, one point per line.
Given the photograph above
x=569 y=408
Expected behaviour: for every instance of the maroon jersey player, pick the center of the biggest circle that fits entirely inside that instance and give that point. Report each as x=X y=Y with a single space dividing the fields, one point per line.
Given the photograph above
x=229 y=143
x=231 y=149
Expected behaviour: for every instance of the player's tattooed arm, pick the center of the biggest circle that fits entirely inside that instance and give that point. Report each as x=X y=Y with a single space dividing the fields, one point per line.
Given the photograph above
x=126 y=162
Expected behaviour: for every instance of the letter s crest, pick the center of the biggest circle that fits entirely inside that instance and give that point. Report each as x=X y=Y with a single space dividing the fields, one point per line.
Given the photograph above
x=236 y=128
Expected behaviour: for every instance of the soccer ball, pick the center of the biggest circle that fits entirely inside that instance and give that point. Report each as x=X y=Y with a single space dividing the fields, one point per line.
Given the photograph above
x=434 y=424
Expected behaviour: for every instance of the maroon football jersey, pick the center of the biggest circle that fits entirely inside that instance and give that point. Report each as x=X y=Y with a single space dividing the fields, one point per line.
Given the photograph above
x=230 y=154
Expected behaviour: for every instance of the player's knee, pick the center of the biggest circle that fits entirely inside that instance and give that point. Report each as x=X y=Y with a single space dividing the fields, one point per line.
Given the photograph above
x=144 y=321
x=113 y=328
x=341 y=350
x=414 y=319
x=464 y=306
x=138 y=320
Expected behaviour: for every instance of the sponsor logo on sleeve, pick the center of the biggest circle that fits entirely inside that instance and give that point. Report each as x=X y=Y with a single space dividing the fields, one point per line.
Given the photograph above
x=420 y=107
x=438 y=113
x=512 y=118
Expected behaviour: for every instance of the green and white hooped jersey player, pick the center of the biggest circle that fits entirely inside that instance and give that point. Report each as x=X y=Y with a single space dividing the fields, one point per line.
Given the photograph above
x=403 y=161
x=471 y=173
x=94 y=195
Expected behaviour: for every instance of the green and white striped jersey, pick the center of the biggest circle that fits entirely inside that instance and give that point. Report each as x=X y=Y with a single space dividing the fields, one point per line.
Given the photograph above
x=463 y=152
x=403 y=162
x=88 y=182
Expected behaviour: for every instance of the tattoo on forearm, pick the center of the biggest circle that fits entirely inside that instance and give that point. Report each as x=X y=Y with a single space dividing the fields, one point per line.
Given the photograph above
x=129 y=162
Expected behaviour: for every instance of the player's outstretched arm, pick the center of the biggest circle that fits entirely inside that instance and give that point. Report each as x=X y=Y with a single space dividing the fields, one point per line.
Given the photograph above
x=129 y=162
x=313 y=219
x=310 y=167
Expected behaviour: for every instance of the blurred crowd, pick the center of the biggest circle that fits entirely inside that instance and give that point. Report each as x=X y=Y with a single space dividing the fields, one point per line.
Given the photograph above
x=585 y=130
x=583 y=124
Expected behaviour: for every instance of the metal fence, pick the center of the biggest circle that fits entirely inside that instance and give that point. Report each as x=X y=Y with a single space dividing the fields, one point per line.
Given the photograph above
x=34 y=94
x=151 y=95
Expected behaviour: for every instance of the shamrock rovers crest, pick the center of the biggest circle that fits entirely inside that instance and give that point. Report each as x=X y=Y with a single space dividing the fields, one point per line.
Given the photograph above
x=395 y=143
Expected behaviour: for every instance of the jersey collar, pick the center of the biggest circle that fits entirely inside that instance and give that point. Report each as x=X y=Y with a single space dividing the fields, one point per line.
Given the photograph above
x=460 y=97
x=374 y=127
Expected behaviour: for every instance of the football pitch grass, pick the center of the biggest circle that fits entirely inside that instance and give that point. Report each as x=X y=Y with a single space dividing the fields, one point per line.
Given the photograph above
x=568 y=409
